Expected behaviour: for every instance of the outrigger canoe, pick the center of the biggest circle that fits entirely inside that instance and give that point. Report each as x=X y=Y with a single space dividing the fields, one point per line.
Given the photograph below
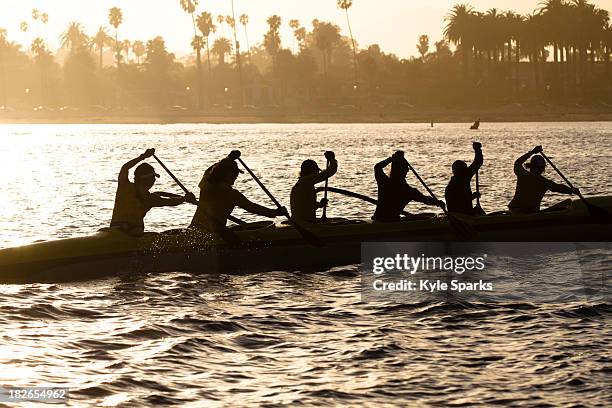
x=267 y=246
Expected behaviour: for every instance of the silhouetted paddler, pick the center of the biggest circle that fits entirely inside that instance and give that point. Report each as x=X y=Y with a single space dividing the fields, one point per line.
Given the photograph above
x=458 y=193
x=303 y=196
x=134 y=200
x=394 y=193
x=218 y=198
x=531 y=185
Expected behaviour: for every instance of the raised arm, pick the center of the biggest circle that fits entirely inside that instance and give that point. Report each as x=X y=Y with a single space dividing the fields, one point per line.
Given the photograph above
x=325 y=174
x=518 y=164
x=125 y=169
x=379 y=168
x=478 y=159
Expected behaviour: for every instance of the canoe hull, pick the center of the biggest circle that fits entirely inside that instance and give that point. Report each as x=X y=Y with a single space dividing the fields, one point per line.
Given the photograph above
x=269 y=247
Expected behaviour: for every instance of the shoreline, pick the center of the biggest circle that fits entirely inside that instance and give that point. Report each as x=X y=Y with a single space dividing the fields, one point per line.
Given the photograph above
x=407 y=116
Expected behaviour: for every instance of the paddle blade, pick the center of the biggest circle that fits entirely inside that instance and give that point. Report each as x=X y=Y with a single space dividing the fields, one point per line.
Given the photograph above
x=167 y=195
x=478 y=211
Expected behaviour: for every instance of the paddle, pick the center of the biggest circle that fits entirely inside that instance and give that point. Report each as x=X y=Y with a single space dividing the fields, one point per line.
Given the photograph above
x=178 y=182
x=311 y=238
x=167 y=195
x=594 y=211
x=462 y=229
x=357 y=196
x=324 y=216
x=478 y=209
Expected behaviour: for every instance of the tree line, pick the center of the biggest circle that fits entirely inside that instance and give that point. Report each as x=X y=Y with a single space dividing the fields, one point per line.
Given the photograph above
x=496 y=44
x=498 y=57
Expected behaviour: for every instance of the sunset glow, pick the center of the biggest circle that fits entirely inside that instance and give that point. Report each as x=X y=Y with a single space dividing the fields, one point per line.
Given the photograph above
x=396 y=26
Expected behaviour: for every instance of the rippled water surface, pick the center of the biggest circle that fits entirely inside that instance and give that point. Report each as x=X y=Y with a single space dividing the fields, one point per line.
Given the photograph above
x=292 y=338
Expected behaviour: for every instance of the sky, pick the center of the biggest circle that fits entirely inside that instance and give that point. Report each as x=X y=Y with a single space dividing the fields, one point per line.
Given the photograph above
x=393 y=24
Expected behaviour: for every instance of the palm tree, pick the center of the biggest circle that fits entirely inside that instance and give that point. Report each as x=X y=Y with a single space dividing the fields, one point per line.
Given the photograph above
x=608 y=48
x=100 y=41
x=198 y=44
x=40 y=52
x=566 y=40
x=23 y=26
x=294 y=24
x=74 y=37
x=507 y=20
x=552 y=12
x=300 y=36
x=221 y=47
x=493 y=38
x=244 y=20
x=325 y=35
x=189 y=7
x=115 y=18
x=229 y=20
x=126 y=45
x=272 y=40
x=44 y=18
x=35 y=16
x=584 y=11
x=206 y=26
x=38 y=46
x=232 y=23
x=443 y=50
x=480 y=43
x=423 y=46
x=516 y=23
x=138 y=48
x=346 y=5
x=220 y=21
x=459 y=31
x=600 y=19
x=533 y=40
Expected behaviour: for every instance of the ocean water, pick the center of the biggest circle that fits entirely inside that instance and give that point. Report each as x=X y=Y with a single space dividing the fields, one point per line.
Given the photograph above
x=296 y=338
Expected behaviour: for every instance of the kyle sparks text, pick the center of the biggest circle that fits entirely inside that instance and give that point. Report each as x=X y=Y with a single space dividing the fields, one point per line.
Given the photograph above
x=455 y=286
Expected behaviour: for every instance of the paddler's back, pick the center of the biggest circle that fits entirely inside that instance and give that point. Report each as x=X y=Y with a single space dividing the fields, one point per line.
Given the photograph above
x=217 y=200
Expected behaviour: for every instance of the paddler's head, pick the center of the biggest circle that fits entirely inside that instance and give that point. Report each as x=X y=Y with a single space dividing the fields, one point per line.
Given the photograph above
x=399 y=167
x=537 y=164
x=225 y=171
x=460 y=168
x=309 y=167
x=145 y=175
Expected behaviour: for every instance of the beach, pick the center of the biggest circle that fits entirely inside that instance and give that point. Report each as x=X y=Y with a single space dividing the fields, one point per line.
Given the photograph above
x=507 y=113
